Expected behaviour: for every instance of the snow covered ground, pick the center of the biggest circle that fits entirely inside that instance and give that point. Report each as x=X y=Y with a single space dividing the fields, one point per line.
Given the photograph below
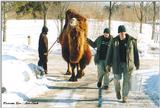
x=147 y=81
x=152 y=88
x=20 y=79
x=21 y=29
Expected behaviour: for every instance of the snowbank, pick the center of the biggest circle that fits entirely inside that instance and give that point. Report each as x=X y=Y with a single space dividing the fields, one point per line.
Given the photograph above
x=19 y=51
x=152 y=88
x=21 y=81
x=147 y=81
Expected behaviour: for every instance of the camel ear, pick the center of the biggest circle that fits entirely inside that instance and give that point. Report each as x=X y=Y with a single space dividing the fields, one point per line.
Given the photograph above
x=73 y=22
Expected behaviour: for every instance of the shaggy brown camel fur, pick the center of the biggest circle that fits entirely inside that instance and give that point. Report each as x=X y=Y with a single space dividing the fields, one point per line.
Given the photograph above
x=75 y=49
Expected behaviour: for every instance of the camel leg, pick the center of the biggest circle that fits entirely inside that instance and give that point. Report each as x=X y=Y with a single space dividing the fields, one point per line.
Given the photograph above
x=73 y=77
x=69 y=69
x=80 y=72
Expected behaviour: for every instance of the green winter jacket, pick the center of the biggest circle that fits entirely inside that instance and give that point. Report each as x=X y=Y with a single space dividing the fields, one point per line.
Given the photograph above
x=132 y=55
x=96 y=44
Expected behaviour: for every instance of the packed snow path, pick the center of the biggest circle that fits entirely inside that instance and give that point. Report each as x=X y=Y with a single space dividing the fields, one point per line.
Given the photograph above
x=84 y=93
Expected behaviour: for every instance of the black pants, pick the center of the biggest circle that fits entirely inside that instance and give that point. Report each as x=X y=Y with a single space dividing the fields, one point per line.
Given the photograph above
x=43 y=59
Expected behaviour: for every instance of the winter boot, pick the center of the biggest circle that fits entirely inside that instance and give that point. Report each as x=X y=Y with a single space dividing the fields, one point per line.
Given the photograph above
x=124 y=99
x=118 y=95
x=105 y=87
x=99 y=84
x=46 y=72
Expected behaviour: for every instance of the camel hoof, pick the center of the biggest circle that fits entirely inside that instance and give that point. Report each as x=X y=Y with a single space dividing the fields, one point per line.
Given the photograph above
x=80 y=74
x=67 y=73
x=73 y=79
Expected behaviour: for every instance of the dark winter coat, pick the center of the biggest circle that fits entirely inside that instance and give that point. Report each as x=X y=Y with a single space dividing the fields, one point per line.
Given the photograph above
x=97 y=44
x=132 y=56
x=43 y=44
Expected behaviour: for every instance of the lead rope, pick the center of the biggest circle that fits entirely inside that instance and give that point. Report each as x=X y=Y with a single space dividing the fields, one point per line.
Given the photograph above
x=52 y=46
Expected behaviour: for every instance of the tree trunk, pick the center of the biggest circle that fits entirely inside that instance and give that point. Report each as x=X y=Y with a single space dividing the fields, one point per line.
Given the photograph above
x=4 y=21
x=141 y=21
x=141 y=17
x=45 y=19
x=154 y=19
x=110 y=14
x=45 y=9
x=61 y=21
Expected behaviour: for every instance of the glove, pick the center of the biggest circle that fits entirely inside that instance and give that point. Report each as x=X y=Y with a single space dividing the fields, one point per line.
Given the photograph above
x=108 y=68
x=58 y=40
x=45 y=53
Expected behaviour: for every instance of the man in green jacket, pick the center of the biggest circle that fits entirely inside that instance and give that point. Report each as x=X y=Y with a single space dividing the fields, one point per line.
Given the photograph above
x=101 y=43
x=122 y=56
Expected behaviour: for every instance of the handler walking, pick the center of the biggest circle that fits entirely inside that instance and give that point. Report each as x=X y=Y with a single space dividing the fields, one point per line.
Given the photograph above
x=43 y=49
x=122 y=56
x=101 y=43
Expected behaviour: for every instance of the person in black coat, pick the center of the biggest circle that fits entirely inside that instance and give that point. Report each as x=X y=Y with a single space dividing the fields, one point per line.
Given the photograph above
x=102 y=44
x=43 y=49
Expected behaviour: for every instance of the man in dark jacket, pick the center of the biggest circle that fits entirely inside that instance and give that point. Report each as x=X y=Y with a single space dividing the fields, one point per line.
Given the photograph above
x=101 y=43
x=43 y=49
x=122 y=56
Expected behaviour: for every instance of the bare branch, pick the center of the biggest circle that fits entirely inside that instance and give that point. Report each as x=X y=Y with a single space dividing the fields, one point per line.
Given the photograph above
x=136 y=11
x=114 y=3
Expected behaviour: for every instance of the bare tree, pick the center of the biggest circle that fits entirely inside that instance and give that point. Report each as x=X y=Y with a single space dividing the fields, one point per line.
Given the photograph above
x=60 y=14
x=140 y=17
x=140 y=13
x=110 y=10
x=45 y=6
x=154 y=19
x=111 y=6
x=6 y=7
x=4 y=20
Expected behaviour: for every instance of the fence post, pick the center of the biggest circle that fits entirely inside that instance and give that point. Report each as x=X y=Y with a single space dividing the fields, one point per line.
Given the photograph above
x=29 y=40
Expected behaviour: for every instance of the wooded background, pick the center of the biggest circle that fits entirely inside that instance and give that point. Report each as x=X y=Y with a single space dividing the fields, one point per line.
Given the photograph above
x=140 y=12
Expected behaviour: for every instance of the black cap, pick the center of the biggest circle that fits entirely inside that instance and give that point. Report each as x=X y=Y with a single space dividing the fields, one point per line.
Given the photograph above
x=121 y=28
x=44 y=29
x=106 y=30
